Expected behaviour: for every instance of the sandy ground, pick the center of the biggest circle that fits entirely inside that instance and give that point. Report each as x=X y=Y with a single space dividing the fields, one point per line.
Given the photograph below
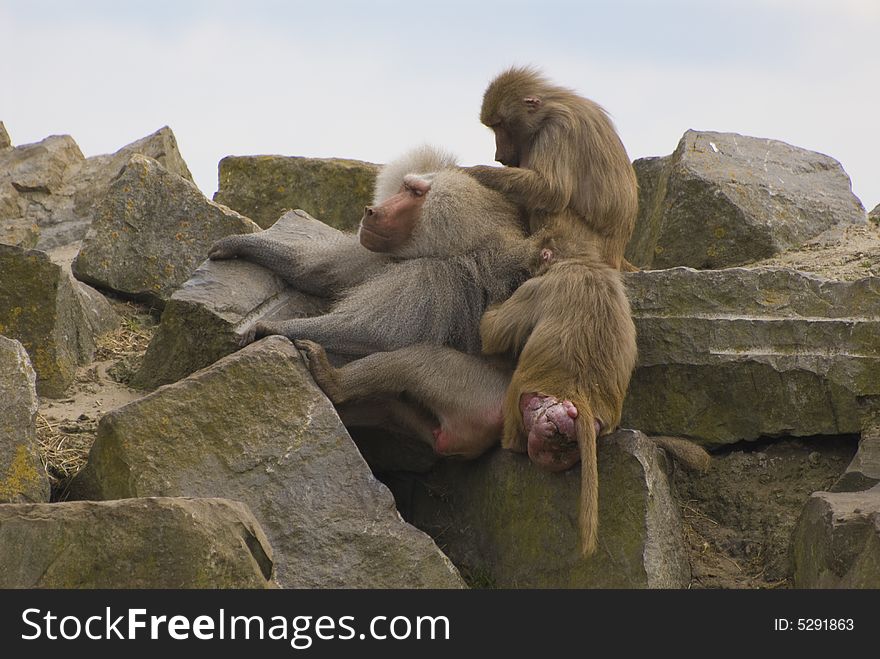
x=66 y=427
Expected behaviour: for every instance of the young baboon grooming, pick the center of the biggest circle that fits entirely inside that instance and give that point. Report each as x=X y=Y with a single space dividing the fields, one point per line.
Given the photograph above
x=572 y=329
x=432 y=252
x=564 y=162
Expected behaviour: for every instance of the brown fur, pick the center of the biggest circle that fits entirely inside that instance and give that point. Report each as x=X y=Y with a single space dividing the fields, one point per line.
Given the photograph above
x=569 y=169
x=587 y=359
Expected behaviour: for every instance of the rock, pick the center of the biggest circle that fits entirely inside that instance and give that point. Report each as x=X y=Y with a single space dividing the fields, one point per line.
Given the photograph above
x=844 y=253
x=5 y=142
x=35 y=196
x=741 y=353
x=151 y=231
x=507 y=524
x=99 y=313
x=263 y=187
x=135 y=543
x=874 y=215
x=40 y=306
x=19 y=231
x=863 y=472
x=22 y=474
x=255 y=427
x=837 y=541
x=723 y=199
x=48 y=190
x=201 y=320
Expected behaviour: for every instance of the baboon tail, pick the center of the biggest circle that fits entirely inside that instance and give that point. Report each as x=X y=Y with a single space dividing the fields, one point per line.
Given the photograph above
x=589 y=505
x=691 y=456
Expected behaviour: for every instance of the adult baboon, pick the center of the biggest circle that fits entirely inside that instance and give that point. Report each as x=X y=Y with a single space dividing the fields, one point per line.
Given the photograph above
x=564 y=162
x=432 y=252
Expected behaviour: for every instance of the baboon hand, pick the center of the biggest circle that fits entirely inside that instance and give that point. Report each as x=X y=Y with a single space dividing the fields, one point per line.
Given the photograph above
x=256 y=331
x=225 y=248
x=324 y=374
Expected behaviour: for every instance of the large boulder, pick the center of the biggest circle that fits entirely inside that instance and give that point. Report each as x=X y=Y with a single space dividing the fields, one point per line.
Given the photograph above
x=5 y=141
x=874 y=215
x=48 y=190
x=837 y=541
x=723 y=199
x=41 y=307
x=22 y=474
x=507 y=524
x=263 y=187
x=254 y=427
x=739 y=353
x=201 y=321
x=136 y=543
x=151 y=231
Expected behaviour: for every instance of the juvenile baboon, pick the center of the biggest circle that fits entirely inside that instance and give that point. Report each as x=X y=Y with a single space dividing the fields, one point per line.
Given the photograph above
x=564 y=162
x=432 y=252
x=571 y=328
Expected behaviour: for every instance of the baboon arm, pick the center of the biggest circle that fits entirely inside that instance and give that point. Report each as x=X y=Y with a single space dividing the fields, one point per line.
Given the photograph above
x=320 y=268
x=525 y=187
x=507 y=326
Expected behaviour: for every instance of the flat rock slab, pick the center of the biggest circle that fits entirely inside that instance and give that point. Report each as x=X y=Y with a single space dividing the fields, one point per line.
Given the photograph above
x=264 y=187
x=41 y=306
x=151 y=231
x=507 y=524
x=22 y=474
x=837 y=541
x=740 y=353
x=723 y=199
x=254 y=427
x=135 y=543
x=203 y=319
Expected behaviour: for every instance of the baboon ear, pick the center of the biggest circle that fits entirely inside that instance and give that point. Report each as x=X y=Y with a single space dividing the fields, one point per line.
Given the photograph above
x=532 y=103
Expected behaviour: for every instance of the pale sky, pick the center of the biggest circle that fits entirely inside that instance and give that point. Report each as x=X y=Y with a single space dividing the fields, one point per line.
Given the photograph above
x=367 y=80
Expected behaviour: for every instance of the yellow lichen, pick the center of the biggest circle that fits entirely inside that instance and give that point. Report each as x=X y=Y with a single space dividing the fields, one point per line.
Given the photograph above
x=22 y=477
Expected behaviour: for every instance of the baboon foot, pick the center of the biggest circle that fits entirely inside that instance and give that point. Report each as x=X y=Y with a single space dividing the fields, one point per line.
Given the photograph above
x=468 y=438
x=323 y=372
x=552 y=442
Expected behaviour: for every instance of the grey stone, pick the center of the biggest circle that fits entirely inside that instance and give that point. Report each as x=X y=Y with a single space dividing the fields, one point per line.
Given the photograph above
x=255 y=428
x=723 y=199
x=874 y=215
x=5 y=142
x=40 y=306
x=202 y=320
x=151 y=231
x=49 y=191
x=135 y=543
x=740 y=353
x=507 y=524
x=863 y=472
x=22 y=474
x=837 y=541
x=263 y=187
x=99 y=313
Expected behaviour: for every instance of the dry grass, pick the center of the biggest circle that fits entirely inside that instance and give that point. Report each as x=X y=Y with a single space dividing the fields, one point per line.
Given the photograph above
x=65 y=443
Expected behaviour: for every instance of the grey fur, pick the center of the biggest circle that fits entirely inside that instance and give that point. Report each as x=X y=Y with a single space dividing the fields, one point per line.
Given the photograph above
x=467 y=252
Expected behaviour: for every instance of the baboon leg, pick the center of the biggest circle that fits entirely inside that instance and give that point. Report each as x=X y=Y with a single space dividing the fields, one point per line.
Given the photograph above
x=462 y=391
x=390 y=414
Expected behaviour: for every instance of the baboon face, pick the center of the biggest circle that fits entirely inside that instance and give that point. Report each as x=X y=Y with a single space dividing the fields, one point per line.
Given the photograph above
x=506 y=151
x=389 y=226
